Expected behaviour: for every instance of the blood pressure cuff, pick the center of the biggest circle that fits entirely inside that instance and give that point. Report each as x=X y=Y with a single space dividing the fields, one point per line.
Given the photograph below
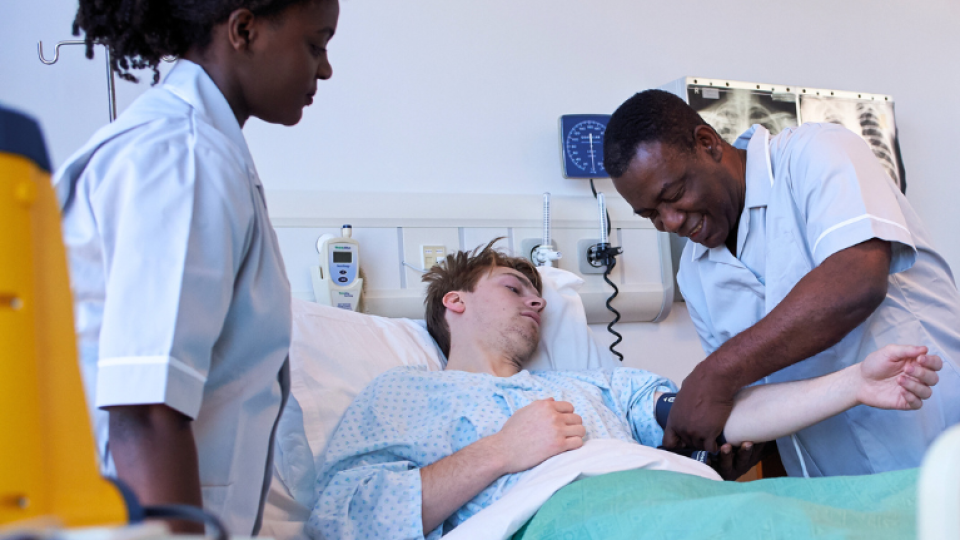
x=662 y=412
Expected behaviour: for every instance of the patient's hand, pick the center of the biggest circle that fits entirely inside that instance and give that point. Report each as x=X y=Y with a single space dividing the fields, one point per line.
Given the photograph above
x=898 y=377
x=537 y=432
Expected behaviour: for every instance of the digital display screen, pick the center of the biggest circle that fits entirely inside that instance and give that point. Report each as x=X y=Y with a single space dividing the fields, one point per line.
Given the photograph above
x=342 y=257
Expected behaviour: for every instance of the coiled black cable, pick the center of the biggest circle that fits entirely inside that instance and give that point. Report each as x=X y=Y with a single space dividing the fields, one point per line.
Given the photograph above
x=616 y=314
x=605 y=255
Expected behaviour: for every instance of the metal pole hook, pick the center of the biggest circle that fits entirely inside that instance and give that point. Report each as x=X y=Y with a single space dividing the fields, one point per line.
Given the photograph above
x=111 y=93
x=56 y=51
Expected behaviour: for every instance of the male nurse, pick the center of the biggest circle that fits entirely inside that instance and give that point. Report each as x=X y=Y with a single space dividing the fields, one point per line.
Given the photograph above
x=803 y=258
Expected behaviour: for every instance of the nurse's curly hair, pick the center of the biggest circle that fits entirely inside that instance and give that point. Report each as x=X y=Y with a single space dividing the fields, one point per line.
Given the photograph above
x=139 y=33
x=649 y=116
x=461 y=271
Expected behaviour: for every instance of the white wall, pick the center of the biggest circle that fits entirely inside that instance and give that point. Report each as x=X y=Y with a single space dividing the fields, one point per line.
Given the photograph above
x=441 y=96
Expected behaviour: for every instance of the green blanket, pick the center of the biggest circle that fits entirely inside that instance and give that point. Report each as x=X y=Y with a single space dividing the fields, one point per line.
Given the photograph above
x=660 y=504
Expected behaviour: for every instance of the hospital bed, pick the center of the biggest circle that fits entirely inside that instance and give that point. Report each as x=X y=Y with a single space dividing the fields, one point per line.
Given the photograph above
x=336 y=353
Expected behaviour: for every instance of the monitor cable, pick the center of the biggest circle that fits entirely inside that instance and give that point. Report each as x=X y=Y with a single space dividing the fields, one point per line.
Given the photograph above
x=604 y=255
x=137 y=513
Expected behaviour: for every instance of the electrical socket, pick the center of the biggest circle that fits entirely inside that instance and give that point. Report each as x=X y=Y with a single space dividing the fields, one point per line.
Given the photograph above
x=432 y=255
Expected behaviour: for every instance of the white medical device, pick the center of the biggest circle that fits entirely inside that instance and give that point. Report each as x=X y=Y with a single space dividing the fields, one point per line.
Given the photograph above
x=337 y=281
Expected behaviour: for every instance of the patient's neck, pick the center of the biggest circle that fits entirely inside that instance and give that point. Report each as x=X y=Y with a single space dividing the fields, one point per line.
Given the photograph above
x=474 y=358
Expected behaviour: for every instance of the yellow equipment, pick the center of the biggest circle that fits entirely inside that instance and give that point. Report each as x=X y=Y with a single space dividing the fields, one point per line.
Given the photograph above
x=48 y=462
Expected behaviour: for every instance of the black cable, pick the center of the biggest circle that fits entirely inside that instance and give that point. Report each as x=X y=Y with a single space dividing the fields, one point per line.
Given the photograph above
x=136 y=513
x=130 y=500
x=616 y=314
x=606 y=255
x=188 y=513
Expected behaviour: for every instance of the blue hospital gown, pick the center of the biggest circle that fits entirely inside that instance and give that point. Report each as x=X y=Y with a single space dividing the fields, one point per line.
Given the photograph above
x=408 y=418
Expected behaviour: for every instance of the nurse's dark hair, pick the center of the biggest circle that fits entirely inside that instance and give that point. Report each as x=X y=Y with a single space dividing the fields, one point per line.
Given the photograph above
x=139 y=33
x=461 y=271
x=649 y=116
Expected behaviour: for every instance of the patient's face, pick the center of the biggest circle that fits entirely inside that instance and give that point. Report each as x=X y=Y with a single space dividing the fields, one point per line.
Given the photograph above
x=505 y=310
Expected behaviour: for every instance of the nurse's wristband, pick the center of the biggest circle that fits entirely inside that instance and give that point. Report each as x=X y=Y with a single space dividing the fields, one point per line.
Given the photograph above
x=662 y=412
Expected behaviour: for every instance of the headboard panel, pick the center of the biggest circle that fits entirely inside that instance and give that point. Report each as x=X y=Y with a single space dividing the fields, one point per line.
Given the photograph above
x=392 y=227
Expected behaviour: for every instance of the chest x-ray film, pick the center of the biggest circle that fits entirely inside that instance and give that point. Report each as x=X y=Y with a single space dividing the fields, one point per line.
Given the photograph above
x=731 y=111
x=872 y=120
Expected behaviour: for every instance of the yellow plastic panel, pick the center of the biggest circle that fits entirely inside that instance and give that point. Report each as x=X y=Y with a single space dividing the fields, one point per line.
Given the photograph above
x=48 y=464
x=21 y=470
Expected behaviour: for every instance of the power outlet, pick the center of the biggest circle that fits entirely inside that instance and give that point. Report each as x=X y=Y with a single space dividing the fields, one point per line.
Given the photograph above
x=432 y=255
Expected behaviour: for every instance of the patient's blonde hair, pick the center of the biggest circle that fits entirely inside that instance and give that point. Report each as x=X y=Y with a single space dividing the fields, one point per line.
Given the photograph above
x=461 y=271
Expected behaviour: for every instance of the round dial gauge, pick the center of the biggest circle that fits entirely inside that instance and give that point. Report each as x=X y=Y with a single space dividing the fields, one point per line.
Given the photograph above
x=584 y=146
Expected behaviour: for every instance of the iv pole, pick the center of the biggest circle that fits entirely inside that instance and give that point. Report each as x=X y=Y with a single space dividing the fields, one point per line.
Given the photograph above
x=111 y=93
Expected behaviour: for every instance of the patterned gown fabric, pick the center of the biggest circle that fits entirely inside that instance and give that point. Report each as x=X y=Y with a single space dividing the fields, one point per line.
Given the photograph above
x=408 y=418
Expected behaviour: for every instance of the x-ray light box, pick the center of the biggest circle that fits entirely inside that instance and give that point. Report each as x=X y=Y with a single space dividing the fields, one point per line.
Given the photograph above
x=733 y=106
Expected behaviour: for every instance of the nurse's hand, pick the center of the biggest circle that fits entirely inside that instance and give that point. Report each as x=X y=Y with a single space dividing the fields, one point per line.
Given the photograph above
x=538 y=432
x=699 y=413
x=898 y=377
x=735 y=461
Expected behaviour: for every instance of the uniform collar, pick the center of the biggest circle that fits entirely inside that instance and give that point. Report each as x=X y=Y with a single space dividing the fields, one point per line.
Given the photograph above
x=759 y=180
x=190 y=82
x=756 y=141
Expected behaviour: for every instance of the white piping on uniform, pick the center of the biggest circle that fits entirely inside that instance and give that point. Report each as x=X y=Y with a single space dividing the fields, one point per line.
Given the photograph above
x=803 y=464
x=854 y=220
x=148 y=360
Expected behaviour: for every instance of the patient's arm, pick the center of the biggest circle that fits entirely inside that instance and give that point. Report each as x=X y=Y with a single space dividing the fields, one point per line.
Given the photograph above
x=894 y=377
x=534 y=433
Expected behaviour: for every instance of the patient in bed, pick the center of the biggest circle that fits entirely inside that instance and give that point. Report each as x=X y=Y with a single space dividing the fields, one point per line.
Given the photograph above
x=419 y=452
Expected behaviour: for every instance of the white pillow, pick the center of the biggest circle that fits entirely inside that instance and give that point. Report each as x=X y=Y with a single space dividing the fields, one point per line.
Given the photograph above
x=335 y=353
x=566 y=342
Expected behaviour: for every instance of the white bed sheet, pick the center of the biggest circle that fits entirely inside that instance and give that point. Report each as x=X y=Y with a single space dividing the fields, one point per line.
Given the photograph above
x=600 y=456
x=284 y=518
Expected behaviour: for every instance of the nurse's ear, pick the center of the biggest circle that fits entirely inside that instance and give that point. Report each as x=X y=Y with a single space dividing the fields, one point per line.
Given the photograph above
x=709 y=141
x=242 y=27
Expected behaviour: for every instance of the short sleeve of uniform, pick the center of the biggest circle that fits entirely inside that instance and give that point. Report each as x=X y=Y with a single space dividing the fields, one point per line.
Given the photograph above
x=845 y=196
x=173 y=234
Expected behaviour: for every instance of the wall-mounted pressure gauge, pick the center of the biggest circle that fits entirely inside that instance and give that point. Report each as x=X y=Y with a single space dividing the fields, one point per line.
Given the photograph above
x=581 y=145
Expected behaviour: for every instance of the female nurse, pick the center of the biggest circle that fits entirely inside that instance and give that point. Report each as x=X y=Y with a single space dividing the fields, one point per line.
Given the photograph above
x=182 y=305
